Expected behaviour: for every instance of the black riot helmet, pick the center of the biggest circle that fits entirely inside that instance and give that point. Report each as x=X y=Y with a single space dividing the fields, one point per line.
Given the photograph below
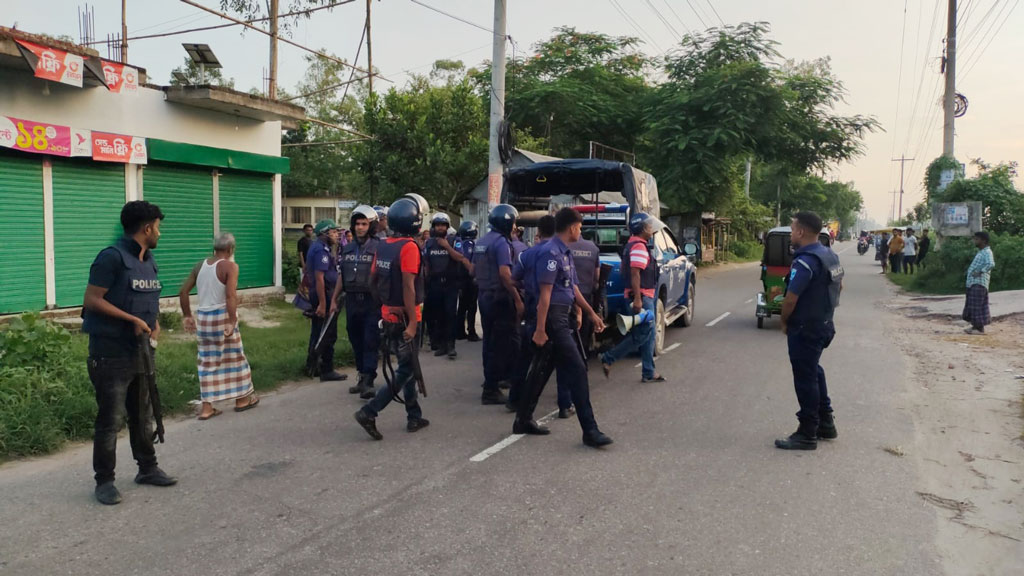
x=503 y=218
x=420 y=200
x=468 y=230
x=440 y=218
x=364 y=212
x=405 y=217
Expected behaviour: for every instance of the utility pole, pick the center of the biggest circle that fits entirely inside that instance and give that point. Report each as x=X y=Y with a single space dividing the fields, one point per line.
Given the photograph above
x=494 y=166
x=369 y=50
x=949 y=97
x=272 y=81
x=778 y=204
x=124 y=31
x=902 y=160
x=746 y=180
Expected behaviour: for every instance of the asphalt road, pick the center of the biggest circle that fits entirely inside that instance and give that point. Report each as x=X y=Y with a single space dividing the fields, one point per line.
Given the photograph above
x=691 y=486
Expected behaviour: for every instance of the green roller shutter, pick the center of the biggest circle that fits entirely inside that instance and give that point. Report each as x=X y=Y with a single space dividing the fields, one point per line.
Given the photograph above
x=247 y=211
x=22 y=251
x=87 y=201
x=185 y=196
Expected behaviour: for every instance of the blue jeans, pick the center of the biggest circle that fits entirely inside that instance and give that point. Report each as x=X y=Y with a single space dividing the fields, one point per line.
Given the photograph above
x=639 y=338
x=403 y=379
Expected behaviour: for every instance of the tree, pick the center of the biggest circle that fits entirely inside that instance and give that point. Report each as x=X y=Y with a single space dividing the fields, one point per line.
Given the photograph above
x=254 y=9
x=993 y=187
x=727 y=99
x=190 y=69
x=429 y=138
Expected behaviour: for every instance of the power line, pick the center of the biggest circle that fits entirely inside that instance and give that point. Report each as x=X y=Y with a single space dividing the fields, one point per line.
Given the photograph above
x=453 y=16
x=899 y=81
x=663 y=20
x=972 y=34
x=676 y=14
x=352 y=73
x=695 y=13
x=720 y=21
x=971 y=65
x=635 y=25
x=924 y=71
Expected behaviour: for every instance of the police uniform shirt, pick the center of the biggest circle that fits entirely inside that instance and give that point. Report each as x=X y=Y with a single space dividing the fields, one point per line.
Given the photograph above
x=523 y=272
x=555 y=267
x=104 y=273
x=586 y=258
x=320 y=259
x=806 y=280
x=498 y=250
x=518 y=247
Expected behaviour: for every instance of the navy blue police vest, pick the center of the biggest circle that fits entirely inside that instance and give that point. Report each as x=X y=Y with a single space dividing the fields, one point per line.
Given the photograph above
x=136 y=290
x=585 y=256
x=819 y=300
x=389 y=274
x=439 y=262
x=356 y=262
x=649 y=275
x=485 y=266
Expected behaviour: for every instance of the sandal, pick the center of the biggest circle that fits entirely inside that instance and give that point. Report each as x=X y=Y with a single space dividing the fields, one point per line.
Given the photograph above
x=254 y=401
x=655 y=378
x=210 y=415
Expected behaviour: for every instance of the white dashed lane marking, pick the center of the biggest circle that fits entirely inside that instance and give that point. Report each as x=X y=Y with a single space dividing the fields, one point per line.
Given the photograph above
x=717 y=320
x=507 y=442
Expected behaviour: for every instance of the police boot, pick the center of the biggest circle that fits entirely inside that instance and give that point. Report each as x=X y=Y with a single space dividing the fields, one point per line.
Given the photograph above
x=451 y=350
x=441 y=349
x=805 y=438
x=472 y=336
x=529 y=427
x=369 y=391
x=596 y=439
x=332 y=376
x=827 y=427
x=108 y=494
x=360 y=385
x=492 y=397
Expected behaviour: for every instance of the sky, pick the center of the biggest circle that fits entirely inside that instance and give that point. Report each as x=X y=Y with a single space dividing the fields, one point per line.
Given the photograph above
x=886 y=52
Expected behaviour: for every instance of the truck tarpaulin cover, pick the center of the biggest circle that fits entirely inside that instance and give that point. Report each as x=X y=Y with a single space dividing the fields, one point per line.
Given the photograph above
x=584 y=178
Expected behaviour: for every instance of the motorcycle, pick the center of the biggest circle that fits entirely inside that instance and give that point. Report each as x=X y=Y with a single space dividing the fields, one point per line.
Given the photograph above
x=862 y=246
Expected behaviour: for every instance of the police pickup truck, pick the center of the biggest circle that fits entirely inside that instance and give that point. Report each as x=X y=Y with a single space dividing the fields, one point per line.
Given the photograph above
x=606 y=193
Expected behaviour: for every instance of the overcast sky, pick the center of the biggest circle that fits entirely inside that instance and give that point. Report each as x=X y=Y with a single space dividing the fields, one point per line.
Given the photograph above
x=862 y=38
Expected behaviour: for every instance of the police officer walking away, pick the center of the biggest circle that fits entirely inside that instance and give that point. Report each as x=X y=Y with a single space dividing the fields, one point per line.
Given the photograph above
x=557 y=295
x=361 y=312
x=812 y=295
x=638 y=258
x=120 y=309
x=523 y=275
x=466 y=323
x=398 y=281
x=443 y=263
x=501 y=307
x=322 y=265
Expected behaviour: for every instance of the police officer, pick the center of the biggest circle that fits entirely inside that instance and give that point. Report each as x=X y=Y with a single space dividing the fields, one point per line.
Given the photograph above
x=443 y=262
x=501 y=307
x=120 y=309
x=812 y=295
x=518 y=246
x=382 y=222
x=322 y=266
x=557 y=295
x=524 y=277
x=587 y=259
x=398 y=281
x=466 y=322
x=361 y=312
x=638 y=258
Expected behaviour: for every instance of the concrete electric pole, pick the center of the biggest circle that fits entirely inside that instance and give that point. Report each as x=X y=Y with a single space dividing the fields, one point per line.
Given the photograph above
x=272 y=81
x=949 y=97
x=494 y=166
x=124 y=31
x=903 y=161
x=369 y=50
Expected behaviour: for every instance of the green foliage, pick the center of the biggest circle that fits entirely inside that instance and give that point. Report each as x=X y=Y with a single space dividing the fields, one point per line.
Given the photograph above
x=48 y=399
x=29 y=341
x=212 y=76
x=773 y=183
x=747 y=250
x=170 y=320
x=993 y=187
x=727 y=99
x=934 y=172
x=945 y=270
x=291 y=271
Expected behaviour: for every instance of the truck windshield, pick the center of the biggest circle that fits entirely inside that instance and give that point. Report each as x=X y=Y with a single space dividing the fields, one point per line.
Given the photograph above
x=607 y=238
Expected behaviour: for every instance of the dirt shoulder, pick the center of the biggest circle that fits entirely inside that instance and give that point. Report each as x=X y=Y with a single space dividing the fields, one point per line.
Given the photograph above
x=964 y=393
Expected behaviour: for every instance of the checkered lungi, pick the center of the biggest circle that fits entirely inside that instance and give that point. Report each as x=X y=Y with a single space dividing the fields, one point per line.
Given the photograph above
x=976 y=310
x=223 y=370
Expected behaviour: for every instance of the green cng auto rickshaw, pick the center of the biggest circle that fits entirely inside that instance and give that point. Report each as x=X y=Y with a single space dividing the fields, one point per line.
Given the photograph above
x=775 y=263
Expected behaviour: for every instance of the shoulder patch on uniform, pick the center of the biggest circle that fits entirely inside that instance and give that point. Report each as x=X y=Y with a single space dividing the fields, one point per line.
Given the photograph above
x=326 y=259
x=552 y=265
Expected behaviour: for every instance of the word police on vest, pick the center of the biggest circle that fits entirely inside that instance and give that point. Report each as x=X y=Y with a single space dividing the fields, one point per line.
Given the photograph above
x=627 y=323
x=146 y=285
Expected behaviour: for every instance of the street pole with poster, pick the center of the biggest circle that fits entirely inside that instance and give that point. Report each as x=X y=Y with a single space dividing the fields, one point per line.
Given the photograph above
x=495 y=169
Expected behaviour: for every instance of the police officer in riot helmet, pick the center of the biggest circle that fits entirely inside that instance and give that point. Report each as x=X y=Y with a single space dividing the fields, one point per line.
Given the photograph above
x=382 y=222
x=325 y=290
x=361 y=312
x=443 y=262
x=465 y=327
x=501 y=306
x=559 y=303
x=398 y=282
x=120 y=309
x=812 y=295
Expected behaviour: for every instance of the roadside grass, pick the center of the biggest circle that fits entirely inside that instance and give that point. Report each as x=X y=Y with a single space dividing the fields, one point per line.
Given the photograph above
x=43 y=406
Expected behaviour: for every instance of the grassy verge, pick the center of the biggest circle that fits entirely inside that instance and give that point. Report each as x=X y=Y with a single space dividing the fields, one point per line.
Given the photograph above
x=45 y=405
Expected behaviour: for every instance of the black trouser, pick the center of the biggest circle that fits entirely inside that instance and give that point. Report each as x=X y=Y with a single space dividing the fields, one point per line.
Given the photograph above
x=440 y=309
x=523 y=359
x=563 y=356
x=362 y=318
x=908 y=264
x=120 y=390
x=325 y=357
x=587 y=328
x=894 y=262
x=466 y=323
x=806 y=343
x=501 y=336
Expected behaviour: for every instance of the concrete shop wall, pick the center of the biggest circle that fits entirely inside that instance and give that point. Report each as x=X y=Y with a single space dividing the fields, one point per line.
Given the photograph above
x=146 y=114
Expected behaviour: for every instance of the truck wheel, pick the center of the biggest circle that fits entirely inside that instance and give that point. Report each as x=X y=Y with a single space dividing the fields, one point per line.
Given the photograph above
x=659 y=327
x=691 y=299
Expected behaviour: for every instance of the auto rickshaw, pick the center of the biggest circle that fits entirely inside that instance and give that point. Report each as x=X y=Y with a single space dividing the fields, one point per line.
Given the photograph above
x=775 y=263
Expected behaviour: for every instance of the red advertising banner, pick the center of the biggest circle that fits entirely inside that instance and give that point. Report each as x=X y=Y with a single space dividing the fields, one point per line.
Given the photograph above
x=36 y=137
x=118 y=148
x=121 y=78
x=57 y=65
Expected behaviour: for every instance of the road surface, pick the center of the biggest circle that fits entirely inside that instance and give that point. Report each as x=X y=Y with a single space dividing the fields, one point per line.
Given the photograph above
x=691 y=486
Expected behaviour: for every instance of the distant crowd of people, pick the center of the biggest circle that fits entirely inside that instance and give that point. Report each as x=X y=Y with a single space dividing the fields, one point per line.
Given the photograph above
x=901 y=251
